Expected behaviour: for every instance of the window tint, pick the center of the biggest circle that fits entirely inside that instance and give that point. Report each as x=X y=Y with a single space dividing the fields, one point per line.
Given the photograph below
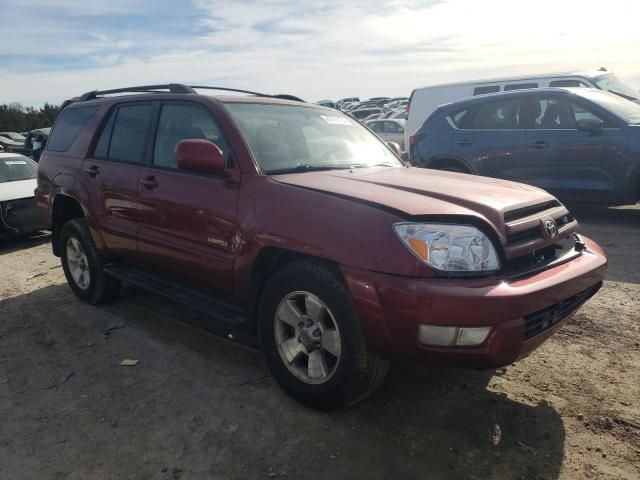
x=68 y=127
x=459 y=118
x=129 y=133
x=567 y=83
x=502 y=115
x=179 y=122
x=376 y=126
x=580 y=113
x=102 y=148
x=520 y=86
x=392 y=127
x=553 y=114
x=485 y=90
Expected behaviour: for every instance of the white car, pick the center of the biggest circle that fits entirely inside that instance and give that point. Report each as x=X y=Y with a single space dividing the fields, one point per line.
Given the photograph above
x=19 y=214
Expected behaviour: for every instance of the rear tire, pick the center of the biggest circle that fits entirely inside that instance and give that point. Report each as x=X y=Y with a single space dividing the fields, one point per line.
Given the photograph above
x=83 y=264
x=313 y=295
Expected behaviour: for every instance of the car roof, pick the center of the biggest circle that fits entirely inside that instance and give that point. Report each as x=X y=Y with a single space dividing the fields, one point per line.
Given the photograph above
x=181 y=96
x=520 y=78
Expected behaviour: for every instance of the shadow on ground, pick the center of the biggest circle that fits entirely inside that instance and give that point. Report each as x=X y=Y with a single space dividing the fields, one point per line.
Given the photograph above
x=198 y=406
x=10 y=245
x=617 y=229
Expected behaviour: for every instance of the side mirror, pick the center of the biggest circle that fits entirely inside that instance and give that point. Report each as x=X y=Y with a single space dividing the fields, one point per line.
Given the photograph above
x=197 y=155
x=395 y=147
x=591 y=125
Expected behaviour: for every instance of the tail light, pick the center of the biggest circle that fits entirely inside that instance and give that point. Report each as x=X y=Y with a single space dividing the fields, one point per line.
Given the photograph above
x=406 y=112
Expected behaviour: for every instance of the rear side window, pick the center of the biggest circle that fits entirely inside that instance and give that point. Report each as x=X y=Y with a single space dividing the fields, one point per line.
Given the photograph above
x=124 y=136
x=520 y=86
x=485 y=90
x=68 y=127
x=567 y=83
x=502 y=115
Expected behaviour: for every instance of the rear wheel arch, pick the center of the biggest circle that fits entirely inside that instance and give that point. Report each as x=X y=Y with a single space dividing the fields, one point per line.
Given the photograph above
x=448 y=163
x=64 y=208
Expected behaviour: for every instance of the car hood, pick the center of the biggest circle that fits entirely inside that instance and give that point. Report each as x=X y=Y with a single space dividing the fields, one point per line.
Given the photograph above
x=17 y=189
x=415 y=192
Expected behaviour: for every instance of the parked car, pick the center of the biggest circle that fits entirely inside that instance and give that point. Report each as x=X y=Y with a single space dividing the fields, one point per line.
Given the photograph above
x=35 y=142
x=362 y=113
x=326 y=103
x=389 y=130
x=580 y=144
x=424 y=101
x=295 y=223
x=19 y=214
x=16 y=137
x=10 y=145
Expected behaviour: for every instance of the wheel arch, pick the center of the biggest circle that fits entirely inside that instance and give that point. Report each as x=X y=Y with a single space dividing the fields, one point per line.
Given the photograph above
x=268 y=261
x=437 y=161
x=64 y=208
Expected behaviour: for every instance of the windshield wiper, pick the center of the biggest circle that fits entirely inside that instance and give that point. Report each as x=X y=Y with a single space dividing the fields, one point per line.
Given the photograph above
x=307 y=168
x=367 y=165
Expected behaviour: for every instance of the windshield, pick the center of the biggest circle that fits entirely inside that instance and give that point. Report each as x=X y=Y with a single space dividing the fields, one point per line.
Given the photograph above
x=286 y=138
x=624 y=109
x=610 y=83
x=13 y=169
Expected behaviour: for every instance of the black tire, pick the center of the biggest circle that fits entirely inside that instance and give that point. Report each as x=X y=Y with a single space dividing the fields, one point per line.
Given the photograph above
x=359 y=371
x=101 y=287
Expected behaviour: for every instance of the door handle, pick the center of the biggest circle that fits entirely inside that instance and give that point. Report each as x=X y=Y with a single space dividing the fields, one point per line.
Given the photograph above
x=92 y=171
x=539 y=145
x=150 y=182
x=464 y=143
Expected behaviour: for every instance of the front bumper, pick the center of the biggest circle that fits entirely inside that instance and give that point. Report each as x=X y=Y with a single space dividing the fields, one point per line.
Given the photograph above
x=21 y=216
x=522 y=312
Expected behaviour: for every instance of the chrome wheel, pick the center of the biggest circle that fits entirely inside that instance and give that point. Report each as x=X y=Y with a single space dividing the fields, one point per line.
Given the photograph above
x=307 y=337
x=78 y=263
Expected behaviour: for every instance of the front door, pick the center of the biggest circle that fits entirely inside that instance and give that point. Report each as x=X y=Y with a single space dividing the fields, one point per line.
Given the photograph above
x=188 y=220
x=111 y=174
x=569 y=163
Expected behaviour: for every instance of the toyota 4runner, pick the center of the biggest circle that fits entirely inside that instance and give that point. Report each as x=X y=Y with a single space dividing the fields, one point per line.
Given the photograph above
x=296 y=224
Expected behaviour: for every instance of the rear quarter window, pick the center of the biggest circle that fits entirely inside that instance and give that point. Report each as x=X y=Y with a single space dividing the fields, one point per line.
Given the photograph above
x=458 y=118
x=520 y=86
x=485 y=90
x=68 y=126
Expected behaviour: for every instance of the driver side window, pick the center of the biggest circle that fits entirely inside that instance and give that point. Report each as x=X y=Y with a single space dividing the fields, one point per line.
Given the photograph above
x=180 y=122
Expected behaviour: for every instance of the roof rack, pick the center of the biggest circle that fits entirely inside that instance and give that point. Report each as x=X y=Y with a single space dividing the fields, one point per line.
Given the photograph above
x=171 y=87
x=177 y=88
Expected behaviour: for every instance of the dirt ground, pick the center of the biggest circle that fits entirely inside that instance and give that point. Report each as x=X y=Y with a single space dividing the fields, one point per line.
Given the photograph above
x=201 y=407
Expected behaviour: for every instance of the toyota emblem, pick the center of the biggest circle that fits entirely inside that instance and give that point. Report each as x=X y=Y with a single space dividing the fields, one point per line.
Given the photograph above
x=551 y=228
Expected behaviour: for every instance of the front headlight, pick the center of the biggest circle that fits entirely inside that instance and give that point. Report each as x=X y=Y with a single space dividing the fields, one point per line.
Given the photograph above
x=449 y=248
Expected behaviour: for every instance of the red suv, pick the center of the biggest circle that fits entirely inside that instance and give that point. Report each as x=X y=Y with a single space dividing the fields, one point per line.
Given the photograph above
x=297 y=224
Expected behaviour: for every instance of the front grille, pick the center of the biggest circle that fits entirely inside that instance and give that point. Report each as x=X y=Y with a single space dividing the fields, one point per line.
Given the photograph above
x=542 y=320
x=528 y=211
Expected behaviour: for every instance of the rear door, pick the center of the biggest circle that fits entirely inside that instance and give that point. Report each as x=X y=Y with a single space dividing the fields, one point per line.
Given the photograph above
x=188 y=220
x=111 y=175
x=569 y=163
x=489 y=138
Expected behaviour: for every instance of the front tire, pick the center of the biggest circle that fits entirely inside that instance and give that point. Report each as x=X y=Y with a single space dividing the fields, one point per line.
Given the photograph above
x=312 y=339
x=83 y=264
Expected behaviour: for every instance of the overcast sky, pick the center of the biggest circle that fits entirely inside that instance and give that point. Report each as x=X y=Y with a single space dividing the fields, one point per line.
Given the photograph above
x=52 y=50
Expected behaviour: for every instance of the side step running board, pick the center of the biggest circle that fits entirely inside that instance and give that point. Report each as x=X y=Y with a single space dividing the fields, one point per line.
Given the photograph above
x=196 y=297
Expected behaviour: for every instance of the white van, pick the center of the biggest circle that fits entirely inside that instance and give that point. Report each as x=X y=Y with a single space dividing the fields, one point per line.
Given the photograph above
x=424 y=101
